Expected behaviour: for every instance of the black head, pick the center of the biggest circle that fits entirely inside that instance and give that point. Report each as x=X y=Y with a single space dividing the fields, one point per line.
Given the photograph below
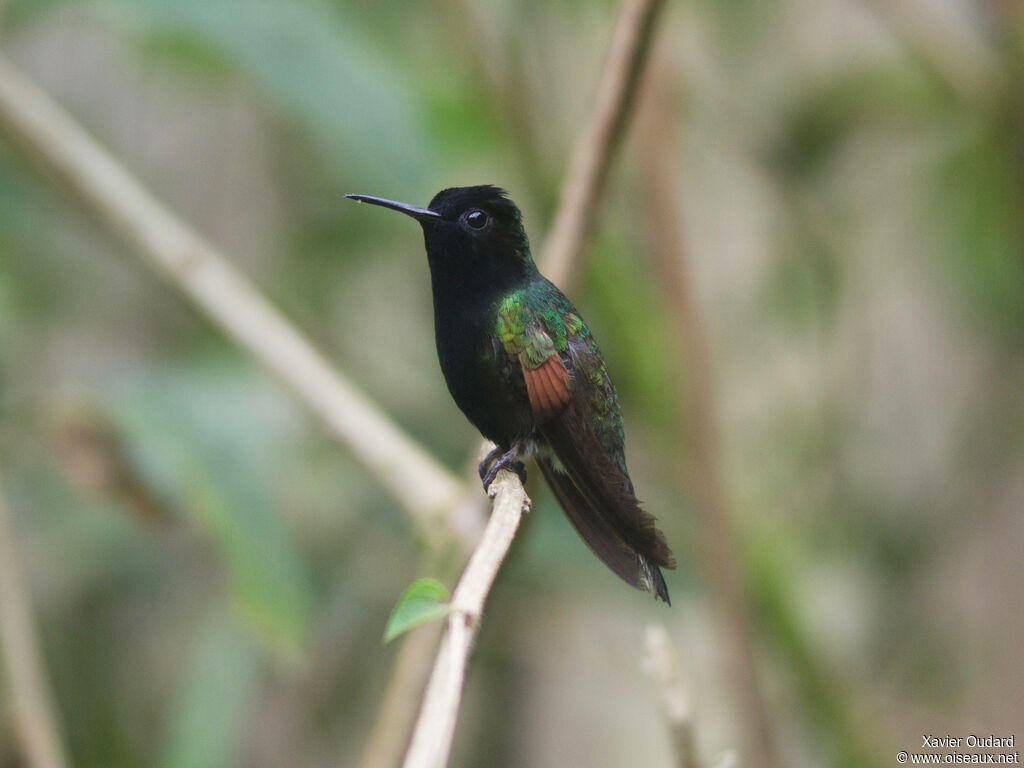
x=474 y=230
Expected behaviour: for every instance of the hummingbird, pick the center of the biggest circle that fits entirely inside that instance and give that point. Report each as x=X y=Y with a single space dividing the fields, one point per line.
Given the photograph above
x=524 y=368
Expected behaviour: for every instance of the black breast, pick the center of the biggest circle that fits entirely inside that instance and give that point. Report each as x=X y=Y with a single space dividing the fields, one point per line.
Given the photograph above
x=479 y=374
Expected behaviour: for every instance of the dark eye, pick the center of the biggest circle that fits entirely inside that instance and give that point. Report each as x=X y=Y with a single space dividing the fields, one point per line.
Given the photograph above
x=477 y=219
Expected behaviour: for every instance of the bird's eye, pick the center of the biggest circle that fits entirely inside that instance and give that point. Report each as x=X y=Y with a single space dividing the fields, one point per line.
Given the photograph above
x=477 y=219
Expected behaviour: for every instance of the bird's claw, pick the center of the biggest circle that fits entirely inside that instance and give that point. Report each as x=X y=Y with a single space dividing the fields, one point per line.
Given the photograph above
x=496 y=461
x=513 y=466
x=486 y=463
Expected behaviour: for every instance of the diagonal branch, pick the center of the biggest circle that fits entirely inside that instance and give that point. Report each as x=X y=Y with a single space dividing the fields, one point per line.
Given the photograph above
x=19 y=644
x=50 y=137
x=435 y=728
x=601 y=137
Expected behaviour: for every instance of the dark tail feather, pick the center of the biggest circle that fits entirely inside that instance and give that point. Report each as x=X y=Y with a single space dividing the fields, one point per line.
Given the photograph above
x=658 y=586
x=632 y=568
x=606 y=488
x=598 y=499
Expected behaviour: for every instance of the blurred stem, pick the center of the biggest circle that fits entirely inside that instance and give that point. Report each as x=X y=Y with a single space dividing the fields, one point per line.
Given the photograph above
x=35 y=716
x=702 y=457
x=598 y=142
x=51 y=138
x=663 y=665
x=435 y=728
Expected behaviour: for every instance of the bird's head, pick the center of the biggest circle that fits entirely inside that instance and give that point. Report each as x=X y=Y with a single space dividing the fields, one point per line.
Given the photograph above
x=477 y=229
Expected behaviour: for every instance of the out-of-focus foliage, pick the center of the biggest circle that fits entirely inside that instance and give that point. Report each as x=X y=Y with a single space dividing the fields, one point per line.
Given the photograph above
x=362 y=118
x=213 y=576
x=207 y=722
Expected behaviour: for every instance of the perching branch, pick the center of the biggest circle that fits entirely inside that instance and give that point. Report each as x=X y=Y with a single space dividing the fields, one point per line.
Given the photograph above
x=435 y=728
x=35 y=716
x=51 y=138
x=702 y=460
x=597 y=144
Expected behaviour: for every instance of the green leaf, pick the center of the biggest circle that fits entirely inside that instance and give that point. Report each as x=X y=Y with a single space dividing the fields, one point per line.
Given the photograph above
x=424 y=600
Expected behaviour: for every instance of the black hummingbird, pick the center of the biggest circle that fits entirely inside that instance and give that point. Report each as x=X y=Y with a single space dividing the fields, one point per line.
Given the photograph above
x=525 y=370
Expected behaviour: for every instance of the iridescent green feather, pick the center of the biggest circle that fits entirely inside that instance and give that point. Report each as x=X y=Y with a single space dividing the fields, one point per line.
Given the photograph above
x=538 y=321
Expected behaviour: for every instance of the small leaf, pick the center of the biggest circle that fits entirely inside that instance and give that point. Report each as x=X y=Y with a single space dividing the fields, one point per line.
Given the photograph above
x=424 y=600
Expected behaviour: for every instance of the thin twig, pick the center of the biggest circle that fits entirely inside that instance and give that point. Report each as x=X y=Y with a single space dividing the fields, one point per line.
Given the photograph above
x=702 y=460
x=602 y=134
x=432 y=740
x=36 y=718
x=51 y=137
x=663 y=666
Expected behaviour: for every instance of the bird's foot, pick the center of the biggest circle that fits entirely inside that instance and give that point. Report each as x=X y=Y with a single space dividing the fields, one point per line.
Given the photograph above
x=489 y=459
x=497 y=460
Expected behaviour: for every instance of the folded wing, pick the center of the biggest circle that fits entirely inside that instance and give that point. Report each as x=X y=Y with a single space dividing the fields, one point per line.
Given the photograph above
x=588 y=475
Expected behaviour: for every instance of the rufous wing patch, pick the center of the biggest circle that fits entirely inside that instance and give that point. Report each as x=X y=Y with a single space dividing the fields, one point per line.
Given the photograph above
x=548 y=386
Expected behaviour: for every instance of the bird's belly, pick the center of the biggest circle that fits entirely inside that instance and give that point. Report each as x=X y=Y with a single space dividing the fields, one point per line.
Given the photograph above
x=484 y=388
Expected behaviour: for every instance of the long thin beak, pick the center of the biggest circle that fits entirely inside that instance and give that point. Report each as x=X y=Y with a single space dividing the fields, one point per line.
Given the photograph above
x=420 y=214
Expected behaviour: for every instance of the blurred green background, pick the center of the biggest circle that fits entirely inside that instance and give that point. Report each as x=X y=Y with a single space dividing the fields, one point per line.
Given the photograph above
x=212 y=575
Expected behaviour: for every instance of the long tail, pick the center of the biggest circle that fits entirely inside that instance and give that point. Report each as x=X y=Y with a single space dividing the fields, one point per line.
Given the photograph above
x=598 y=499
